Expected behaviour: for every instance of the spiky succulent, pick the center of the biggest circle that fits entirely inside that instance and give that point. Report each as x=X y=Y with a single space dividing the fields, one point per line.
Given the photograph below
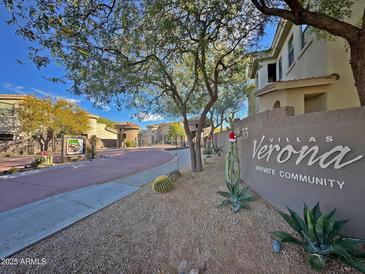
x=320 y=236
x=235 y=197
x=162 y=184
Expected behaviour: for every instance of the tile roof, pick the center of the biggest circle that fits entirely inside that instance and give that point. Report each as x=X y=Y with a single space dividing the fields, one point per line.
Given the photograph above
x=304 y=82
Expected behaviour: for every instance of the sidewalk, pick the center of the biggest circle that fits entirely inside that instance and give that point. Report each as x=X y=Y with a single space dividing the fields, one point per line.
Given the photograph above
x=25 y=225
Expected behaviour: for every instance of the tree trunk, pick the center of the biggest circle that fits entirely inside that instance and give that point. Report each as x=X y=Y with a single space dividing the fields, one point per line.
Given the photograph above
x=191 y=144
x=358 y=65
x=41 y=145
x=46 y=143
x=198 y=153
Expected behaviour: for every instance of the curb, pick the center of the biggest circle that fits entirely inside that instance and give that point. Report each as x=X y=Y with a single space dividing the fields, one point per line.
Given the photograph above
x=68 y=211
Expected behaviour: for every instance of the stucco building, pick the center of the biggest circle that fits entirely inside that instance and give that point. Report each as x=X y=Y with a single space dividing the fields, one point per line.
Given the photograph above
x=106 y=134
x=128 y=134
x=8 y=121
x=159 y=133
x=305 y=72
x=13 y=141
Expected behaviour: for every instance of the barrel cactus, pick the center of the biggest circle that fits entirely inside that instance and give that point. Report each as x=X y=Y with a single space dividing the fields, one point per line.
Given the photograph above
x=162 y=184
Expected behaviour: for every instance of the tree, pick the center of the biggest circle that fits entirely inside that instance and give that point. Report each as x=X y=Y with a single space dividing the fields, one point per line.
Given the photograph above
x=176 y=131
x=43 y=119
x=108 y=122
x=143 y=53
x=229 y=102
x=327 y=16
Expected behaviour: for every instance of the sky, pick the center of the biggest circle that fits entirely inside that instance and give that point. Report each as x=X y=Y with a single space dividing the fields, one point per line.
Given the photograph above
x=16 y=78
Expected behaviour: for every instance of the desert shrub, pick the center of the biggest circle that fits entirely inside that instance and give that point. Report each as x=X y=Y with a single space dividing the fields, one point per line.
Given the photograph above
x=12 y=170
x=235 y=197
x=37 y=162
x=130 y=143
x=208 y=150
x=320 y=236
x=162 y=184
x=7 y=155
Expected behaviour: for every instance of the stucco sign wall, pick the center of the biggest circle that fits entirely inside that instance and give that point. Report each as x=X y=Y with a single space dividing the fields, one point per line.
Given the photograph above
x=307 y=158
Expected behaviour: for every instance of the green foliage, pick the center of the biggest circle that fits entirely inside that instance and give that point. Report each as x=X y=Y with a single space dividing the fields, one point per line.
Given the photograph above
x=175 y=130
x=162 y=184
x=106 y=121
x=232 y=167
x=12 y=170
x=37 y=162
x=44 y=119
x=162 y=57
x=320 y=236
x=339 y=9
x=235 y=197
x=230 y=101
x=130 y=143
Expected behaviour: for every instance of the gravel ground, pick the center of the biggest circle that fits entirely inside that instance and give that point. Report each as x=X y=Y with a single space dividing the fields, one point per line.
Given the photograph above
x=152 y=233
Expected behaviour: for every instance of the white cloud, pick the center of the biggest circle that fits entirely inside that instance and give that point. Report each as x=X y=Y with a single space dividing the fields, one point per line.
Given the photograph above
x=47 y=94
x=21 y=90
x=15 y=88
x=147 y=117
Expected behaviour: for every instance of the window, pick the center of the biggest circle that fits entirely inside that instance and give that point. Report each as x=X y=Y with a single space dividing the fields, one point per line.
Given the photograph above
x=290 y=51
x=280 y=69
x=277 y=104
x=271 y=72
x=4 y=137
x=7 y=109
x=305 y=34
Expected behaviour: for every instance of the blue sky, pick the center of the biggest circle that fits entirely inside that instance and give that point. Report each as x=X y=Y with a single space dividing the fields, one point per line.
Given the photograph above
x=27 y=79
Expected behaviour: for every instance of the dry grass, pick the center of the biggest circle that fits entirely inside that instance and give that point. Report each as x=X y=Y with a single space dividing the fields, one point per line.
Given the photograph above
x=152 y=233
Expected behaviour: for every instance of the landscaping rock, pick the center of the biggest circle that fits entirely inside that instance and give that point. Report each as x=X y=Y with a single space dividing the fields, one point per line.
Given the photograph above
x=183 y=267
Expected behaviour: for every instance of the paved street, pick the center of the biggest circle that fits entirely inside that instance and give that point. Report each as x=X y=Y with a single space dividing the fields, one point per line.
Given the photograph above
x=27 y=224
x=24 y=189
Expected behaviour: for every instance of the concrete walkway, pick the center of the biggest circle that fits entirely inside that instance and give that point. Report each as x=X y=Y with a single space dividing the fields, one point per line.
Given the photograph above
x=25 y=225
x=18 y=190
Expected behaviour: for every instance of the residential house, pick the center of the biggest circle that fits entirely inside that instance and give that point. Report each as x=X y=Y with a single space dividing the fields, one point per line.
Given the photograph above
x=128 y=134
x=305 y=72
x=15 y=142
x=106 y=135
x=8 y=121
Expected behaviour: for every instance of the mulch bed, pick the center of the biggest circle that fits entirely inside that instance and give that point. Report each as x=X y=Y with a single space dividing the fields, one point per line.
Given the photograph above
x=148 y=232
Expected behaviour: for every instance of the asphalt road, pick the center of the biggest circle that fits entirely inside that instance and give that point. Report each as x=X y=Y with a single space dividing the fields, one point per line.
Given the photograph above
x=21 y=190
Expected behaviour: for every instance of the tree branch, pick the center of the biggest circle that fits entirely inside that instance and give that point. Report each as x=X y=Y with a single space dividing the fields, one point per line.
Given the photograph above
x=298 y=15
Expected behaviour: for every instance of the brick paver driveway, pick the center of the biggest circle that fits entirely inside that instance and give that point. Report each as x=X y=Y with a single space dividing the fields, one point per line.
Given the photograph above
x=25 y=189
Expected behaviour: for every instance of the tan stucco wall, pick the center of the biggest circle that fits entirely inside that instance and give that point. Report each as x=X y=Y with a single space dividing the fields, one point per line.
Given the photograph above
x=103 y=133
x=267 y=102
x=93 y=126
x=317 y=58
x=131 y=135
x=295 y=98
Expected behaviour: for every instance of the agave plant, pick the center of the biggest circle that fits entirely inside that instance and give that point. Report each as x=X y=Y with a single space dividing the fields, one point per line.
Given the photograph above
x=235 y=197
x=320 y=236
